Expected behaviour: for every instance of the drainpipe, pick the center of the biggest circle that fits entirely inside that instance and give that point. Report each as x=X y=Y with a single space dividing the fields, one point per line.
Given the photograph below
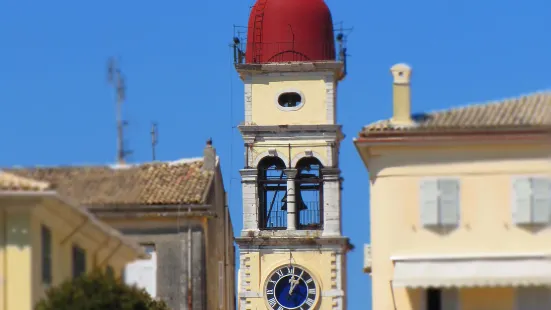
x=4 y=304
x=189 y=290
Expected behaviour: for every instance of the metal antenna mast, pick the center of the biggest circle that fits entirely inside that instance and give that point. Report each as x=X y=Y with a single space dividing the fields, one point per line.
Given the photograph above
x=116 y=79
x=154 y=139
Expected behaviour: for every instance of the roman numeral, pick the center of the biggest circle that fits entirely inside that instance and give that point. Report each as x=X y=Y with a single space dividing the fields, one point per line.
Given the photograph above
x=312 y=291
x=309 y=280
x=309 y=302
x=272 y=302
x=279 y=273
x=270 y=292
x=280 y=308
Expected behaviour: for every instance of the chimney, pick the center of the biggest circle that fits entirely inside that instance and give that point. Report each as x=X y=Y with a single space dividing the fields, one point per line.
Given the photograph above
x=209 y=156
x=401 y=93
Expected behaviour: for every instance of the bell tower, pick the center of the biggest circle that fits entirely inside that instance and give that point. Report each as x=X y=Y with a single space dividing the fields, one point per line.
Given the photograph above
x=292 y=252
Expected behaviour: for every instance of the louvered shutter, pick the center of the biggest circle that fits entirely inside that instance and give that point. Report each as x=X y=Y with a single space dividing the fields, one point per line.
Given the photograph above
x=450 y=299
x=522 y=196
x=541 y=200
x=448 y=202
x=429 y=202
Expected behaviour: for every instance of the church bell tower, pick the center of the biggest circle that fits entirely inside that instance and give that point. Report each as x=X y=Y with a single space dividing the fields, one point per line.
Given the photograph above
x=292 y=252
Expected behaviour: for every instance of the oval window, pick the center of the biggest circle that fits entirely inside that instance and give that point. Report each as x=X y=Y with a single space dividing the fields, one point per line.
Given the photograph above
x=290 y=100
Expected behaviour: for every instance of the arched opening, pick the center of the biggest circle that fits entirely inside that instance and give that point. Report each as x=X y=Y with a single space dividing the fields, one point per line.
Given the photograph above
x=309 y=193
x=272 y=190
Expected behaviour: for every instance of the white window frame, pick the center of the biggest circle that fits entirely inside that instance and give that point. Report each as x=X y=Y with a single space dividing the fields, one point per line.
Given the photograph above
x=290 y=90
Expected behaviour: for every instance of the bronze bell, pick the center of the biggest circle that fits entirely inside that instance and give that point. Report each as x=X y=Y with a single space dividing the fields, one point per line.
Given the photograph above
x=301 y=204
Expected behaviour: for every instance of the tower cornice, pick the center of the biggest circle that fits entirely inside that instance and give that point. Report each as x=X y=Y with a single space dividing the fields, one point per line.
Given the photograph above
x=335 y=67
x=271 y=241
x=291 y=132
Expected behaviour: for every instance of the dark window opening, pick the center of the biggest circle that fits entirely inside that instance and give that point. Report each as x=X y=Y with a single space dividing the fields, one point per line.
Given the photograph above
x=110 y=272
x=434 y=299
x=272 y=190
x=46 y=236
x=79 y=261
x=309 y=189
x=149 y=248
x=290 y=100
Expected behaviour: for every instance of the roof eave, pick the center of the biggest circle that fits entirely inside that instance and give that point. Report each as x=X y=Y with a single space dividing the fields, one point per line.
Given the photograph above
x=455 y=136
x=140 y=253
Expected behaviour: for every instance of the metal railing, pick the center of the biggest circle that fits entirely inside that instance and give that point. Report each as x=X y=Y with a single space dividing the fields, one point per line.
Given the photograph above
x=307 y=219
x=267 y=52
x=274 y=220
x=310 y=218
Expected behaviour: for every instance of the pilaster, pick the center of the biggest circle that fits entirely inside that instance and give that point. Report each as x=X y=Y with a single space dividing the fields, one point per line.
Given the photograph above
x=330 y=98
x=331 y=202
x=248 y=98
x=250 y=209
x=291 y=206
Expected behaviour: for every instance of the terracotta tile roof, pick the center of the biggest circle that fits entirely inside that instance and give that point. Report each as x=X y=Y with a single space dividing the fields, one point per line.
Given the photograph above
x=530 y=111
x=146 y=184
x=12 y=182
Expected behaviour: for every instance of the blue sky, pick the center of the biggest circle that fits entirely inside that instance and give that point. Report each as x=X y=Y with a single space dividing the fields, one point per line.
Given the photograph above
x=58 y=109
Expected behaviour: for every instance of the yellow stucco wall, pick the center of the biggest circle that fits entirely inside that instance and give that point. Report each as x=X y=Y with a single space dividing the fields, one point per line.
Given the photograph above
x=317 y=263
x=21 y=252
x=266 y=89
x=18 y=276
x=485 y=173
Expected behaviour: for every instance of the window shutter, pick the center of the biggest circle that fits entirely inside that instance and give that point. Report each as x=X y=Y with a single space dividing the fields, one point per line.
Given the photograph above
x=450 y=299
x=449 y=202
x=429 y=202
x=522 y=194
x=541 y=200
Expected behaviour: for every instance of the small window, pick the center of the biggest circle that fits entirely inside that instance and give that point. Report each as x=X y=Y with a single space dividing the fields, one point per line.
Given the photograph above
x=46 y=240
x=290 y=100
x=149 y=248
x=79 y=261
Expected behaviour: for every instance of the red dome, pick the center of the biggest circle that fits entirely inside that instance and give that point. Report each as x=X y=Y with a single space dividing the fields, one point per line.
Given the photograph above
x=290 y=30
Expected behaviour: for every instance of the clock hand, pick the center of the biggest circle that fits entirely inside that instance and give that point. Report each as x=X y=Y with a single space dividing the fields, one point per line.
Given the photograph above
x=293 y=284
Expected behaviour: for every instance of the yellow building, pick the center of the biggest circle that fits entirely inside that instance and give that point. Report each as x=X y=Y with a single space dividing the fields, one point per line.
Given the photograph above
x=460 y=204
x=292 y=251
x=45 y=239
x=176 y=210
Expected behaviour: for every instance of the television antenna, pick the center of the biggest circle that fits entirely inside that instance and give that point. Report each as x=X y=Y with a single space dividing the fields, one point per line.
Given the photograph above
x=154 y=139
x=116 y=79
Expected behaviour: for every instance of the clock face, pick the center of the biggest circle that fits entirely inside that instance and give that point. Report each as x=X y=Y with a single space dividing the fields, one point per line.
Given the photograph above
x=291 y=287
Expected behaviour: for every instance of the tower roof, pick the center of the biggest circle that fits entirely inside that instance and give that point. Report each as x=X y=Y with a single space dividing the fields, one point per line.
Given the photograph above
x=290 y=30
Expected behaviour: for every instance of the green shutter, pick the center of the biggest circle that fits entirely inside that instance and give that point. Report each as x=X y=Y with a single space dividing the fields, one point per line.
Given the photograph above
x=448 y=202
x=522 y=198
x=541 y=200
x=429 y=202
